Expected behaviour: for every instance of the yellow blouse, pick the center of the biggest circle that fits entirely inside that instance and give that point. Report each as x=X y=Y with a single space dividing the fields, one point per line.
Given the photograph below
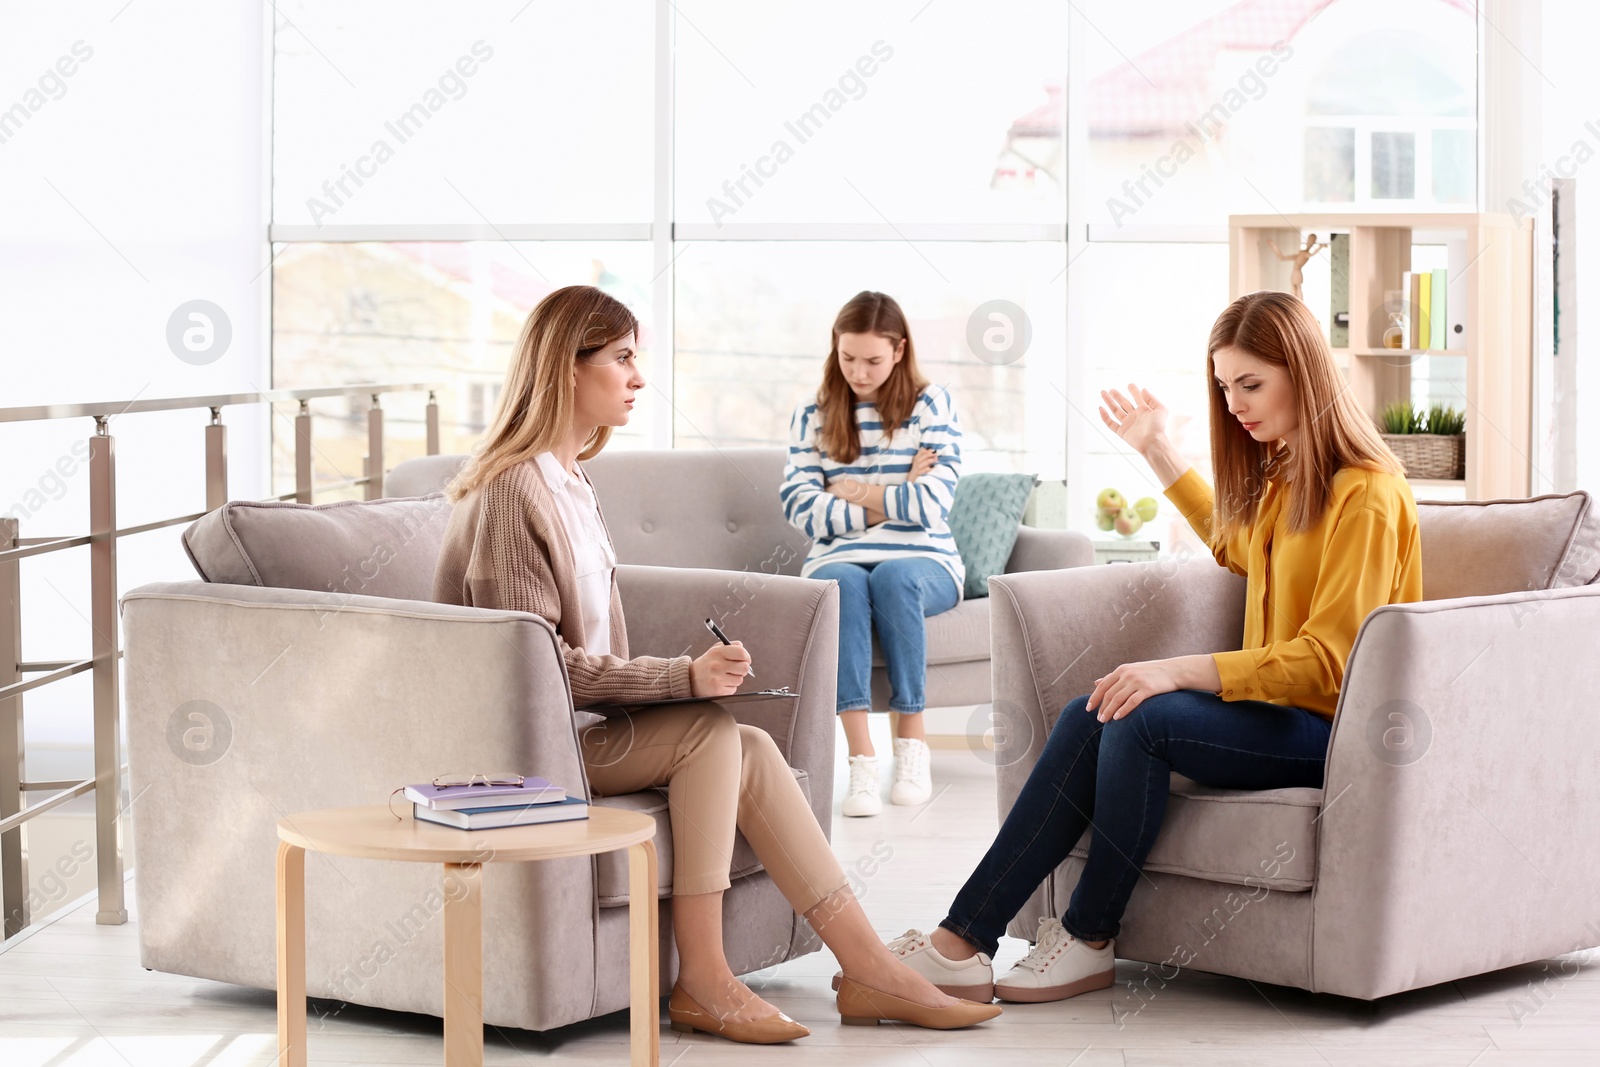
x=1308 y=593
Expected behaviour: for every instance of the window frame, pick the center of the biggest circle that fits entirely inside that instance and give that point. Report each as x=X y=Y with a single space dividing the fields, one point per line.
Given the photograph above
x=667 y=235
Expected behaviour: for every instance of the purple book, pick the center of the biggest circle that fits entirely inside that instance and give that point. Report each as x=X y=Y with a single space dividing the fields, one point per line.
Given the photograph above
x=453 y=797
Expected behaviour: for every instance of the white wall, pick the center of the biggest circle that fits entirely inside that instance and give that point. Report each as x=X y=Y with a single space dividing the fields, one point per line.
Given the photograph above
x=127 y=187
x=1570 y=132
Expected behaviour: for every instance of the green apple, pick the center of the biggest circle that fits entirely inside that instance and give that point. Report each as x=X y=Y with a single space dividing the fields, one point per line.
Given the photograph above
x=1146 y=507
x=1110 y=500
x=1127 y=522
x=1104 y=519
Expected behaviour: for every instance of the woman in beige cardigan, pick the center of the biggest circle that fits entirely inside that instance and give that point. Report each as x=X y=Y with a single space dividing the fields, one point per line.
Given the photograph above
x=526 y=535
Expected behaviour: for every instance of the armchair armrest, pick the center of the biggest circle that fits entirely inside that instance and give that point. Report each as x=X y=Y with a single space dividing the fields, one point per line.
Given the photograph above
x=1047 y=550
x=246 y=705
x=341 y=698
x=1457 y=830
x=791 y=627
x=1052 y=633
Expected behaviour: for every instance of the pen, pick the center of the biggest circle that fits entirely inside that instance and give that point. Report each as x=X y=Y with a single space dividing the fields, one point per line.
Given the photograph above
x=717 y=631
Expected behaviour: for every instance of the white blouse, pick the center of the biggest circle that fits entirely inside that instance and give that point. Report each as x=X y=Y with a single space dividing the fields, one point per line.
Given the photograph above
x=592 y=553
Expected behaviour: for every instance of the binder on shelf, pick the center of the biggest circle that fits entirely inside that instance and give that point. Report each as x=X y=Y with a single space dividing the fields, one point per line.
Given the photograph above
x=1413 y=288
x=1438 y=322
x=1339 y=291
x=1424 y=303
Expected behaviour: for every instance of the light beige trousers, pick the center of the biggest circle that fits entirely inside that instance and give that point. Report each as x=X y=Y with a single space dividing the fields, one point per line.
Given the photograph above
x=719 y=775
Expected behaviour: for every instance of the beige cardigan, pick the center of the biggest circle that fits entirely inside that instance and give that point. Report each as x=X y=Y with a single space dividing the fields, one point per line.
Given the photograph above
x=507 y=548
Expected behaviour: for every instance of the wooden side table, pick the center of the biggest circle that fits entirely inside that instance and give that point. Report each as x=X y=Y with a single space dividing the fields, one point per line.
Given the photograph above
x=374 y=833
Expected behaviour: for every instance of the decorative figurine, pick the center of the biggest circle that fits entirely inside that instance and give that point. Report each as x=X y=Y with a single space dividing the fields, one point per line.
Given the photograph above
x=1299 y=259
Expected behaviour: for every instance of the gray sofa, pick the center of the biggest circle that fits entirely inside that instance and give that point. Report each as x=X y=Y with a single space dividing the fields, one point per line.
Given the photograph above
x=311 y=669
x=718 y=508
x=1455 y=832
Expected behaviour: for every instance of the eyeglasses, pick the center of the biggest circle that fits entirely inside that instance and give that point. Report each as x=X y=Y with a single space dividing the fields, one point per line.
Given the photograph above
x=448 y=781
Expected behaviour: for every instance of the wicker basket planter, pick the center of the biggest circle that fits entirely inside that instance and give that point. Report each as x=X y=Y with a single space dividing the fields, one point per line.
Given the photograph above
x=1430 y=455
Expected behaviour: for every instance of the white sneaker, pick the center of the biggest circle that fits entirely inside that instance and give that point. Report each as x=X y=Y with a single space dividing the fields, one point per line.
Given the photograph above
x=969 y=979
x=913 y=784
x=1060 y=966
x=861 y=796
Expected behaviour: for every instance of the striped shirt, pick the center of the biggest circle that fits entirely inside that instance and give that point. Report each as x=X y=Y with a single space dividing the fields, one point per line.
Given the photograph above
x=917 y=511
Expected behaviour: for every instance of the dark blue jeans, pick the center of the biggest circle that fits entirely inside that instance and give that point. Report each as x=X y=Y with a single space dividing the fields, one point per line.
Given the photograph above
x=1114 y=776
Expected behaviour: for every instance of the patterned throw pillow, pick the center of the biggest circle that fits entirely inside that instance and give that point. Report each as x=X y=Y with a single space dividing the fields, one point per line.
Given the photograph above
x=984 y=519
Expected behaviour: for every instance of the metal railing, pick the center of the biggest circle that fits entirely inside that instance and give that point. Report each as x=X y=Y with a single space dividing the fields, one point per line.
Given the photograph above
x=106 y=650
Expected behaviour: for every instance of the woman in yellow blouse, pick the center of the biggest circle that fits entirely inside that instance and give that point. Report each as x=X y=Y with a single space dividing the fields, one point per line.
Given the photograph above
x=1314 y=510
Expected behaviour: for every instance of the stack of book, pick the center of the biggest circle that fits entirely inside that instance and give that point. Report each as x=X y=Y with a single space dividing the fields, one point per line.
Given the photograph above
x=1427 y=313
x=483 y=807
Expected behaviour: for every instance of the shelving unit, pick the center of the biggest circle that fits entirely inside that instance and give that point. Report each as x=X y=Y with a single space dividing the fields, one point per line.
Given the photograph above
x=1490 y=310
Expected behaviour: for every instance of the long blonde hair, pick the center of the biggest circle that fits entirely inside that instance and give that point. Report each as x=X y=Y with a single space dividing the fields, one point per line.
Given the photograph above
x=1334 y=432
x=840 y=435
x=539 y=398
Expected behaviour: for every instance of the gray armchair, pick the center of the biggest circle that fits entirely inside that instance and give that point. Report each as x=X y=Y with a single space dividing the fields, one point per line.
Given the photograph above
x=1455 y=830
x=311 y=670
x=718 y=508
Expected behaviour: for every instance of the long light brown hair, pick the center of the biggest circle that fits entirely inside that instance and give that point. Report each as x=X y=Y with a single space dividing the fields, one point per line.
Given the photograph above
x=840 y=435
x=539 y=398
x=1334 y=432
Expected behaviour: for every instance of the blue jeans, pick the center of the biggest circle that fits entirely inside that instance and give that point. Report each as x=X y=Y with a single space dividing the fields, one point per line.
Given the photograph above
x=895 y=595
x=1114 y=776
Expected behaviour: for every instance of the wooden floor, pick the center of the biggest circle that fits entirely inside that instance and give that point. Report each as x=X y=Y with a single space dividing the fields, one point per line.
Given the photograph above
x=74 y=994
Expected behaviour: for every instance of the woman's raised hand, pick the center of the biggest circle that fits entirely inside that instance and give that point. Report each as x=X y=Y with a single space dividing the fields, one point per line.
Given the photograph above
x=1139 y=418
x=718 y=671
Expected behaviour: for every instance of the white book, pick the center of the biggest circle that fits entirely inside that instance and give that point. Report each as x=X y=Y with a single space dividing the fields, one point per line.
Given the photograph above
x=489 y=818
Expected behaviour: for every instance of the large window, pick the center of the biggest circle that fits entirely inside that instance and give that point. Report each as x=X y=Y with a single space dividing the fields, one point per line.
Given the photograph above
x=482 y=115
x=421 y=311
x=736 y=172
x=1199 y=110
x=754 y=320
x=841 y=112
x=1159 y=341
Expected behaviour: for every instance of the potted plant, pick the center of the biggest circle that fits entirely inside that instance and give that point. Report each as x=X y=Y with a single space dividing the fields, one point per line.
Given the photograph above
x=1430 y=444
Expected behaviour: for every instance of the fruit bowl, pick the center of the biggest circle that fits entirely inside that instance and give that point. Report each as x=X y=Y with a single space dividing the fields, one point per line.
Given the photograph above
x=1113 y=512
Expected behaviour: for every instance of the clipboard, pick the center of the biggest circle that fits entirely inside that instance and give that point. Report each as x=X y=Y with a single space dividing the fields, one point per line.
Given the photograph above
x=736 y=698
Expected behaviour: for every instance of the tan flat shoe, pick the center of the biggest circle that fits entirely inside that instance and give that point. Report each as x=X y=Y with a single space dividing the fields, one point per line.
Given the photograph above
x=687 y=1017
x=861 y=1005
